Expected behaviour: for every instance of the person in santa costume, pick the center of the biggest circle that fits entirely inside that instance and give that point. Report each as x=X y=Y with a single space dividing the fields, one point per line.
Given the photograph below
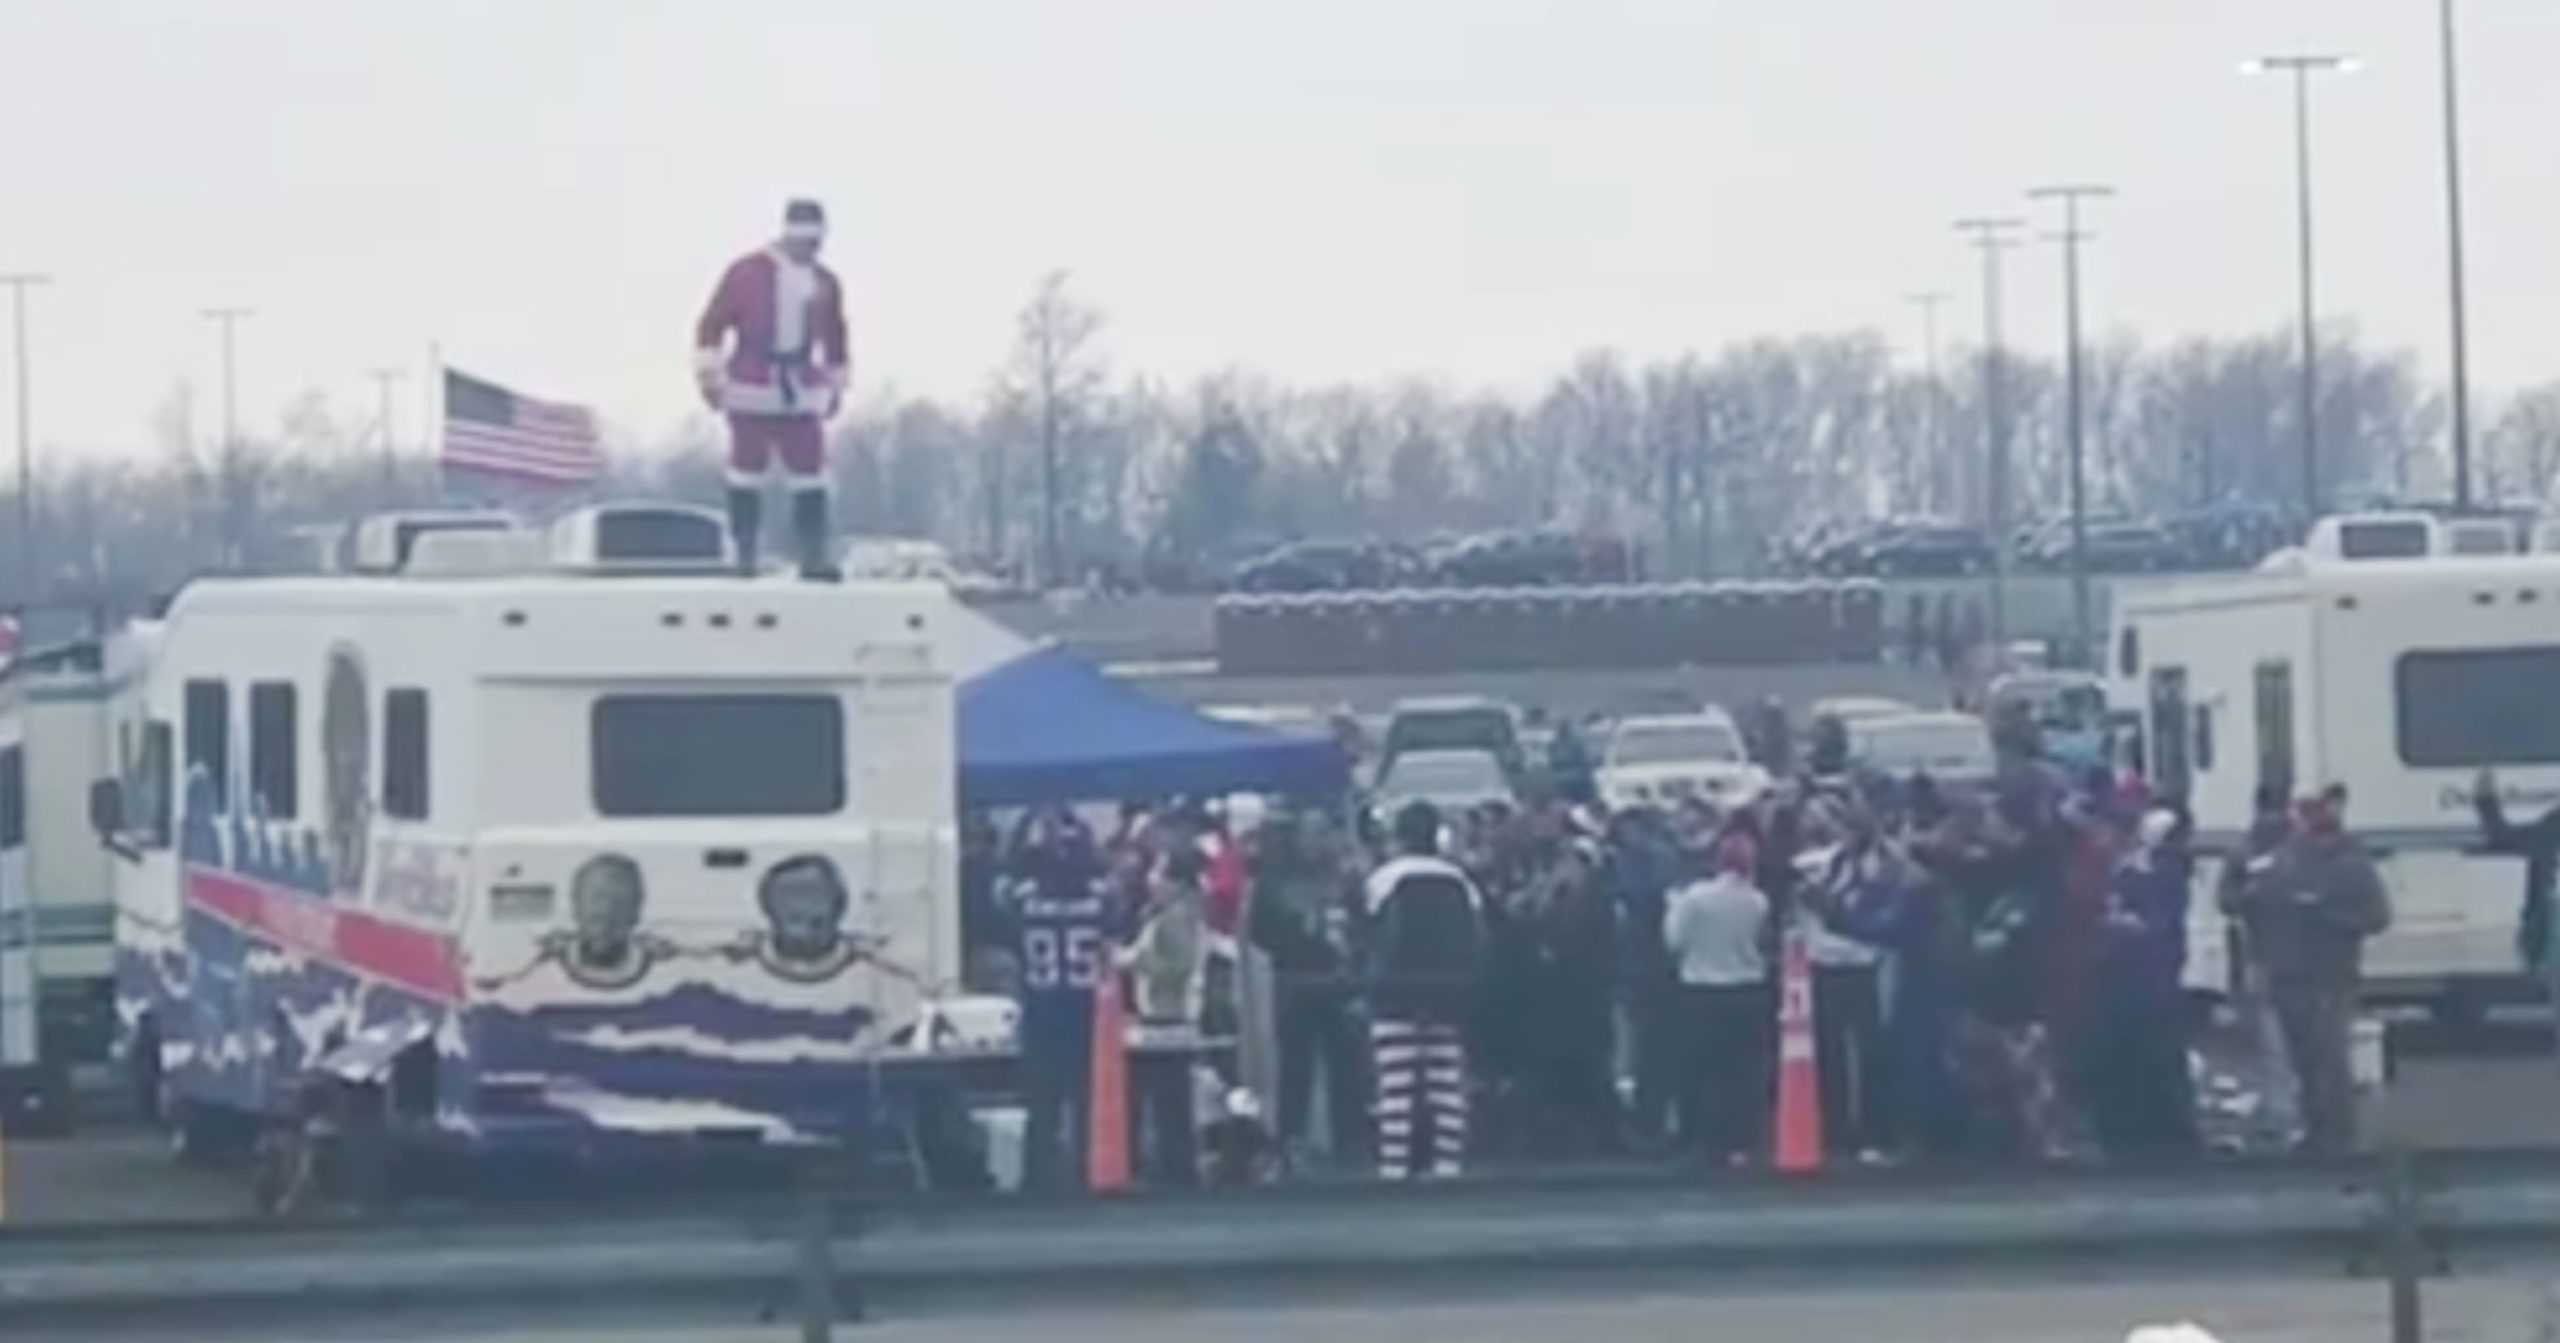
x=771 y=354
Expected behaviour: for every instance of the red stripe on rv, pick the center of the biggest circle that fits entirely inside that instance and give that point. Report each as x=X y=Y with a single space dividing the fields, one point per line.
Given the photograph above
x=396 y=954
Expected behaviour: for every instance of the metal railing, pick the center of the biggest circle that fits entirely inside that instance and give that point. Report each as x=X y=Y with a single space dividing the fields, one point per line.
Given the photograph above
x=820 y=1252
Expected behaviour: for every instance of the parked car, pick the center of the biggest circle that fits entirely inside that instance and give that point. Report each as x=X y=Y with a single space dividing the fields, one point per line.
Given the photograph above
x=1848 y=707
x=1455 y=781
x=1951 y=748
x=2069 y=710
x=2114 y=547
x=1327 y=566
x=1451 y=723
x=1925 y=550
x=1668 y=758
x=1531 y=559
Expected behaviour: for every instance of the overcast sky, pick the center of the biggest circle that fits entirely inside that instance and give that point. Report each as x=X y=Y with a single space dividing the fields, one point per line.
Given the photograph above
x=1322 y=189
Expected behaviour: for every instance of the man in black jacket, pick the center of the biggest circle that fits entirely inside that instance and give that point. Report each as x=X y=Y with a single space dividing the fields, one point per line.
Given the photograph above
x=2537 y=842
x=1424 y=953
x=1306 y=890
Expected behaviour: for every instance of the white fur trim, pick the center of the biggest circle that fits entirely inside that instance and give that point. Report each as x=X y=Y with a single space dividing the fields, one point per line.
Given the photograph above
x=708 y=360
x=745 y=480
x=812 y=484
x=804 y=233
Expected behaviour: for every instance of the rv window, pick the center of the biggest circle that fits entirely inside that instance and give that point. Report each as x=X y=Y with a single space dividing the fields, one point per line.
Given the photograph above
x=404 y=755
x=13 y=798
x=2275 y=726
x=147 y=789
x=273 y=781
x=718 y=755
x=2466 y=708
x=2171 y=733
x=208 y=709
x=2204 y=737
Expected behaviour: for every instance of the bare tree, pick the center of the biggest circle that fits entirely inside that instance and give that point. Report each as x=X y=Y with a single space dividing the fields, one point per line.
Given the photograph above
x=2523 y=453
x=1056 y=366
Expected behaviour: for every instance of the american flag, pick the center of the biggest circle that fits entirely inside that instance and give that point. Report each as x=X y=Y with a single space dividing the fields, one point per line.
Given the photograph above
x=490 y=431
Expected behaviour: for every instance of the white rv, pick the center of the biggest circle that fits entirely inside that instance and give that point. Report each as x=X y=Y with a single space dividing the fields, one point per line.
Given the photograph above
x=563 y=836
x=21 y=1081
x=54 y=719
x=2401 y=679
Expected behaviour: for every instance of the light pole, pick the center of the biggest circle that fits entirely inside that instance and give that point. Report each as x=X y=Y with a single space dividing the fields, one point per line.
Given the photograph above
x=18 y=284
x=2453 y=262
x=2071 y=237
x=1992 y=237
x=2301 y=68
x=384 y=379
x=1935 y=432
x=227 y=322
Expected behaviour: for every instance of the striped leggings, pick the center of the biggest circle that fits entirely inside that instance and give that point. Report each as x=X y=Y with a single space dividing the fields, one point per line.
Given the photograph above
x=1420 y=1067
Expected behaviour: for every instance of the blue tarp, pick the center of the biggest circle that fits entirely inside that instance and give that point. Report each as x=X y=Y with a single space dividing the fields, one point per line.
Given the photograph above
x=1051 y=727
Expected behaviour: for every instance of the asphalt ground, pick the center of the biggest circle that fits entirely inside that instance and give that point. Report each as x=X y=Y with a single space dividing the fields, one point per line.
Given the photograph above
x=2494 y=1087
x=2507 y=1303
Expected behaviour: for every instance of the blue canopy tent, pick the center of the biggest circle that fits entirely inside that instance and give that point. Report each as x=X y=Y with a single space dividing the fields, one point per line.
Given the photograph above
x=1049 y=726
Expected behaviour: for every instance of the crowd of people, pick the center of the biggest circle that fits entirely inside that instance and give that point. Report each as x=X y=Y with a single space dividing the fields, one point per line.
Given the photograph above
x=1996 y=971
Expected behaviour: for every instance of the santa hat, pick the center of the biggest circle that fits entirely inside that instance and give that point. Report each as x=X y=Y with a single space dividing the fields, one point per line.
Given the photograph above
x=804 y=221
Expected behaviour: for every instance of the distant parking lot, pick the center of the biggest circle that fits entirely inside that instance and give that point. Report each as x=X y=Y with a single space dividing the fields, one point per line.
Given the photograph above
x=1152 y=628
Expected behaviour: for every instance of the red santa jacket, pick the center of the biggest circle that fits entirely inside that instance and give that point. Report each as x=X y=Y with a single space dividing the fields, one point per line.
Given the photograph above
x=772 y=339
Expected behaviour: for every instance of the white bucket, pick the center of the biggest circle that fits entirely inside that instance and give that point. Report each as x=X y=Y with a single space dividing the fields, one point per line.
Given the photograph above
x=1004 y=1127
x=2368 y=1053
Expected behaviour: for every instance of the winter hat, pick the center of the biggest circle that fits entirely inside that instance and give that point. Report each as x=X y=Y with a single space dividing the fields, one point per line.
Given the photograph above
x=804 y=220
x=1736 y=855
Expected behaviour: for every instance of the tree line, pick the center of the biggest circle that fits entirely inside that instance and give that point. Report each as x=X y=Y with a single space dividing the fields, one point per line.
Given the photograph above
x=1066 y=463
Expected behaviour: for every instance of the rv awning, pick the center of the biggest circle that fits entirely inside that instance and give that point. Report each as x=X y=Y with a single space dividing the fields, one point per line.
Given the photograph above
x=1050 y=727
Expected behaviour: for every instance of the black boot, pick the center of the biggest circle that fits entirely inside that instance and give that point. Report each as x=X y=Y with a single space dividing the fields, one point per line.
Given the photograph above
x=809 y=529
x=746 y=520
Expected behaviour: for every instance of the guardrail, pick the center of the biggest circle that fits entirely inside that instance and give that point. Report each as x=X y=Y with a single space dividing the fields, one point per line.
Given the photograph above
x=823 y=1258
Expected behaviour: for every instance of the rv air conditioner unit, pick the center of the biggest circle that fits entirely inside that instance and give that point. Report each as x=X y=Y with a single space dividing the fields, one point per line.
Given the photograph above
x=456 y=552
x=2479 y=536
x=2376 y=536
x=382 y=544
x=643 y=539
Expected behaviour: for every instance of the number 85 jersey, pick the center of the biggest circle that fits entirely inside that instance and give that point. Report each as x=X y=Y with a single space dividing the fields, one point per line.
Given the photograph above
x=1066 y=952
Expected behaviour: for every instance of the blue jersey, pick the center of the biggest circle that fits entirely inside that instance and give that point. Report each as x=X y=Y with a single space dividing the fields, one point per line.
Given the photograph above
x=1066 y=952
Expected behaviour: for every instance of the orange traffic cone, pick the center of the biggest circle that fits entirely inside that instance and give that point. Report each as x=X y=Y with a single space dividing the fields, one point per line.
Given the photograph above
x=1799 y=1118
x=1106 y=1155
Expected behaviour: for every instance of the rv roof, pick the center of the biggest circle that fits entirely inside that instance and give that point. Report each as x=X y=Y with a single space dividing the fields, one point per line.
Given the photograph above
x=2317 y=575
x=337 y=593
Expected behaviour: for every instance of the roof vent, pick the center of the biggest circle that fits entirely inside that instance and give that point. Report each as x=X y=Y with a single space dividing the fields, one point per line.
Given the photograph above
x=643 y=538
x=384 y=543
x=473 y=553
x=2376 y=536
x=2479 y=536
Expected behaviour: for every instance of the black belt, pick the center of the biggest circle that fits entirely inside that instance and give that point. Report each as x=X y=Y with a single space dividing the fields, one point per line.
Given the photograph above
x=785 y=363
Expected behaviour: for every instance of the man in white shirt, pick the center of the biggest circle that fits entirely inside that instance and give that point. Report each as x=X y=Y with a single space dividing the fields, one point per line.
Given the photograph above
x=1716 y=927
